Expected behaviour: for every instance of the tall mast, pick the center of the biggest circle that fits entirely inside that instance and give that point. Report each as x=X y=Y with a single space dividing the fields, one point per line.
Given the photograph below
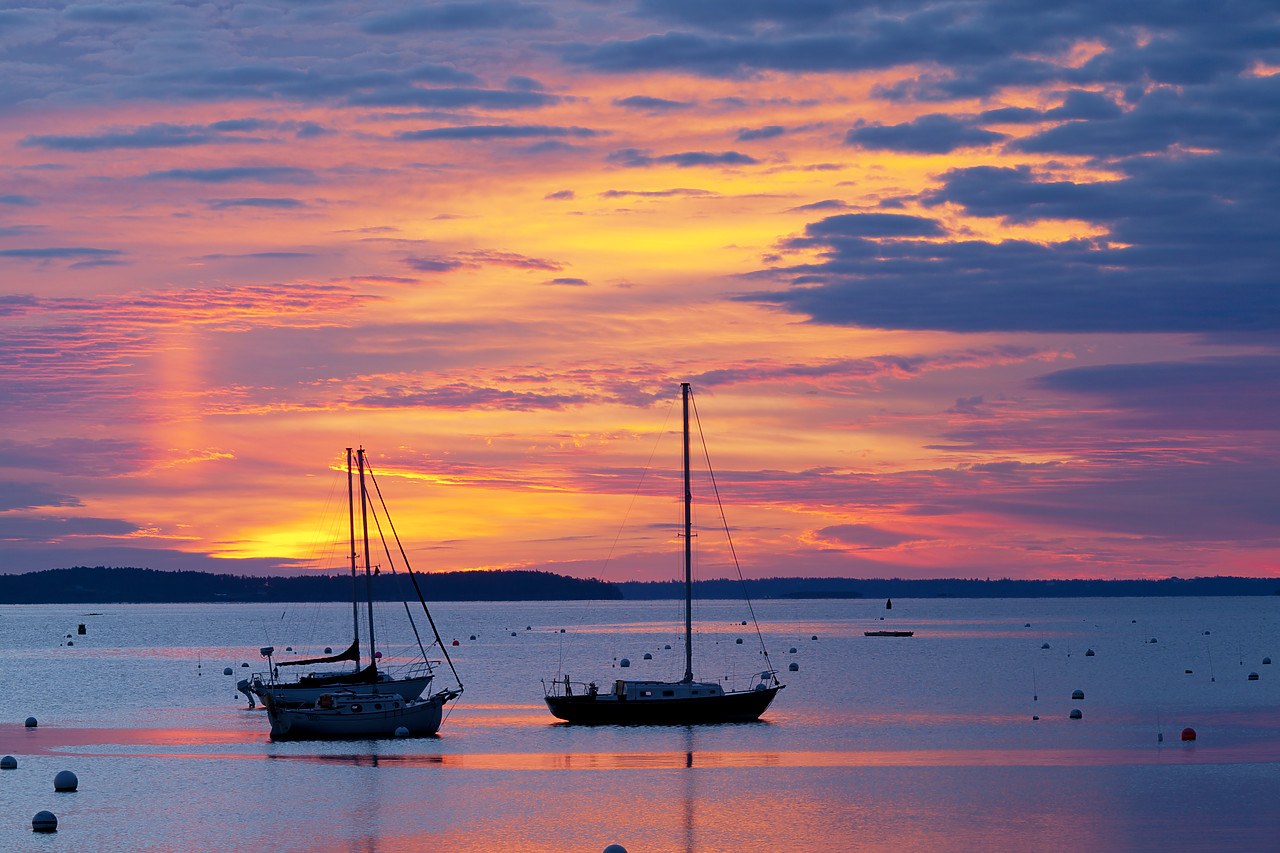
x=368 y=573
x=688 y=546
x=351 y=525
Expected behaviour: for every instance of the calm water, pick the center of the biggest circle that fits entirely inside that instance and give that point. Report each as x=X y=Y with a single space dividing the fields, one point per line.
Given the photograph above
x=918 y=744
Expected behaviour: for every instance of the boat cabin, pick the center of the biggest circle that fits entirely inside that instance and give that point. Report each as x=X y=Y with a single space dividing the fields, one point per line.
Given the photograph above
x=641 y=691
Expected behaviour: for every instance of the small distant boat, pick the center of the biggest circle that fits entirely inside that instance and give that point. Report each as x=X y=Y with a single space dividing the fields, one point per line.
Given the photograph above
x=888 y=633
x=666 y=702
x=367 y=701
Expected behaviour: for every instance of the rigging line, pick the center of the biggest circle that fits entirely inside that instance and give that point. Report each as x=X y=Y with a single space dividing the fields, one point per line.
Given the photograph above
x=392 y=565
x=728 y=536
x=413 y=577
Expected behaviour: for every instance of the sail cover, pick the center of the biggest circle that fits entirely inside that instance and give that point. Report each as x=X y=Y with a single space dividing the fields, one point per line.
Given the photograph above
x=352 y=653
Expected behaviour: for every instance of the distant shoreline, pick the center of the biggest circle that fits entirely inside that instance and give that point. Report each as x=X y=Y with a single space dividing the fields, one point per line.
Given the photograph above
x=107 y=585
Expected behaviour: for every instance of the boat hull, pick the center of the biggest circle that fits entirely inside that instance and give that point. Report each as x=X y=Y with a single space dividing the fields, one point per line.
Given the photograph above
x=606 y=709
x=358 y=717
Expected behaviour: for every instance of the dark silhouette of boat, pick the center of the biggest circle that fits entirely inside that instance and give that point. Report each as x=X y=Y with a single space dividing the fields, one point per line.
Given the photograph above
x=666 y=702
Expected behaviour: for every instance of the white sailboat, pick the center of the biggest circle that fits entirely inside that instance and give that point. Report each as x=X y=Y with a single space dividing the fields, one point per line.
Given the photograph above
x=367 y=701
x=666 y=702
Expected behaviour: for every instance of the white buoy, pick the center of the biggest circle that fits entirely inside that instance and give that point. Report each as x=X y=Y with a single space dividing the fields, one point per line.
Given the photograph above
x=1076 y=714
x=1077 y=694
x=615 y=848
x=65 y=781
x=8 y=763
x=402 y=732
x=44 y=821
x=31 y=722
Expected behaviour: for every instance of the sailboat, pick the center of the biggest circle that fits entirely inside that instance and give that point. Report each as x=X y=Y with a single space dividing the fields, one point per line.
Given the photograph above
x=685 y=701
x=368 y=701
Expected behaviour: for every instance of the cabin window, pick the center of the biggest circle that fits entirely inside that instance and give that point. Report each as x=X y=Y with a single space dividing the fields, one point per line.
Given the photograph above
x=377 y=706
x=668 y=693
x=357 y=708
x=695 y=693
x=646 y=692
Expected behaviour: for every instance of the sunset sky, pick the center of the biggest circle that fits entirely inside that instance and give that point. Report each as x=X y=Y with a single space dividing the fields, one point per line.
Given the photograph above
x=963 y=289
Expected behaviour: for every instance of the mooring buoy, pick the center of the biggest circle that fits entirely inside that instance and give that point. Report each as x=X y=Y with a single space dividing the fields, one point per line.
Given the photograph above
x=65 y=781
x=44 y=821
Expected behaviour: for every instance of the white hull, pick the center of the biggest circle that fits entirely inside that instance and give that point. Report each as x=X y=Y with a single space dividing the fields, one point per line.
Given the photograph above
x=358 y=716
x=297 y=694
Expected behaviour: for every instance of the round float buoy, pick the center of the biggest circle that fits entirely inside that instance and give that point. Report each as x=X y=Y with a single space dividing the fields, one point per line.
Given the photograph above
x=8 y=763
x=65 y=781
x=328 y=650
x=70 y=643
x=1266 y=661
x=1045 y=646
x=1188 y=733
x=624 y=662
x=561 y=630
x=513 y=633
x=1028 y=625
x=1076 y=714
x=667 y=646
x=288 y=648
x=401 y=731
x=1153 y=639
x=744 y=621
x=31 y=722
x=814 y=637
x=739 y=641
x=455 y=642
x=44 y=821
x=1253 y=676
x=648 y=656
x=793 y=650
x=473 y=636
x=615 y=848
x=1077 y=694
x=528 y=627
x=795 y=667
x=1088 y=653
x=244 y=665
x=226 y=670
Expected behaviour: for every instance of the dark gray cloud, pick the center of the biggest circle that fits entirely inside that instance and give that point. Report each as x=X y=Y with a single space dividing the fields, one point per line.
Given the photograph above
x=270 y=203
x=497 y=131
x=233 y=174
x=444 y=17
x=60 y=252
x=931 y=134
x=651 y=104
x=159 y=135
x=768 y=132
x=635 y=158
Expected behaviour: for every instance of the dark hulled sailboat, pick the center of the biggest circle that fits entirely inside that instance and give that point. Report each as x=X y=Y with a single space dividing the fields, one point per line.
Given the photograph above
x=665 y=702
